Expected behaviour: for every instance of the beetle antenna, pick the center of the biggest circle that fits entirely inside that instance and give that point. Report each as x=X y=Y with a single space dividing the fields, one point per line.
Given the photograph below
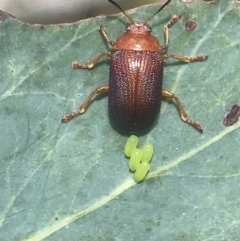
x=115 y=4
x=159 y=10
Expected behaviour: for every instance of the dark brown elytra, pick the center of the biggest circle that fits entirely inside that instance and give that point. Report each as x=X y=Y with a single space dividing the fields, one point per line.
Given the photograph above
x=136 y=75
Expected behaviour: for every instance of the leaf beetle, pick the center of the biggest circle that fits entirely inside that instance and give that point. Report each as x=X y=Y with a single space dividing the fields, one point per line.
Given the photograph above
x=136 y=75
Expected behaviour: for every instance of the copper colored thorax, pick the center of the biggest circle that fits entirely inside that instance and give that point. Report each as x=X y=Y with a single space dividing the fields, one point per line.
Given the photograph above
x=138 y=37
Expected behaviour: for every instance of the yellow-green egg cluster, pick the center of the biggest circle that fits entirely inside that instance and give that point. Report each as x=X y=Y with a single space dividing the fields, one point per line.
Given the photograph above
x=139 y=158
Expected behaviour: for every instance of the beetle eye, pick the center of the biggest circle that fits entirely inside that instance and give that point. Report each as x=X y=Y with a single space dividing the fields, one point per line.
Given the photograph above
x=149 y=29
x=128 y=28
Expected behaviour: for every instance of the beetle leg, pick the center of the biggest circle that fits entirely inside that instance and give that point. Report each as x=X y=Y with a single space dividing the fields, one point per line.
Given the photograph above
x=84 y=106
x=104 y=33
x=185 y=59
x=183 y=114
x=89 y=65
x=166 y=28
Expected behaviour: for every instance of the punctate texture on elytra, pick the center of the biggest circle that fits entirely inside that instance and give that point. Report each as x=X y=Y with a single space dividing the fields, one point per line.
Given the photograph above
x=147 y=152
x=135 y=159
x=131 y=144
x=141 y=171
x=136 y=81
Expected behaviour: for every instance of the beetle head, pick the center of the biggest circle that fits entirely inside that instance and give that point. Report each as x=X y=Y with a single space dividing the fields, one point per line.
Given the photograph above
x=138 y=27
x=138 y=33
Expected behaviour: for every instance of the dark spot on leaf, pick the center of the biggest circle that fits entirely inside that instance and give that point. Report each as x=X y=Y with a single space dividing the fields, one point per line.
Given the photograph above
x=56 y=218
x=42 y=27
x=232 y=117
x=190 y=25
x=149 y=230
x=182 y=236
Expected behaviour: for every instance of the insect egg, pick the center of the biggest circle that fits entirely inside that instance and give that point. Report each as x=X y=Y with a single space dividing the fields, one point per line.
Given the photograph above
x=135 y=159
x=131 y=144
x=141 y=171
x=147 y=152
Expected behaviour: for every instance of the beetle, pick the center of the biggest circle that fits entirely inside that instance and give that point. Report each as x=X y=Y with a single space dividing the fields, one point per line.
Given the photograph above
x=136 y=75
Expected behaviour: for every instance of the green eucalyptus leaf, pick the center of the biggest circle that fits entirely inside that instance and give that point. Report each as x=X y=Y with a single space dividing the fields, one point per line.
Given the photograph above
x=71 y=181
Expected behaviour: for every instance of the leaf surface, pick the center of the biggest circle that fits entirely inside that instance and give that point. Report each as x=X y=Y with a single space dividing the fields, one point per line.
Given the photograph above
x=71 y=181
